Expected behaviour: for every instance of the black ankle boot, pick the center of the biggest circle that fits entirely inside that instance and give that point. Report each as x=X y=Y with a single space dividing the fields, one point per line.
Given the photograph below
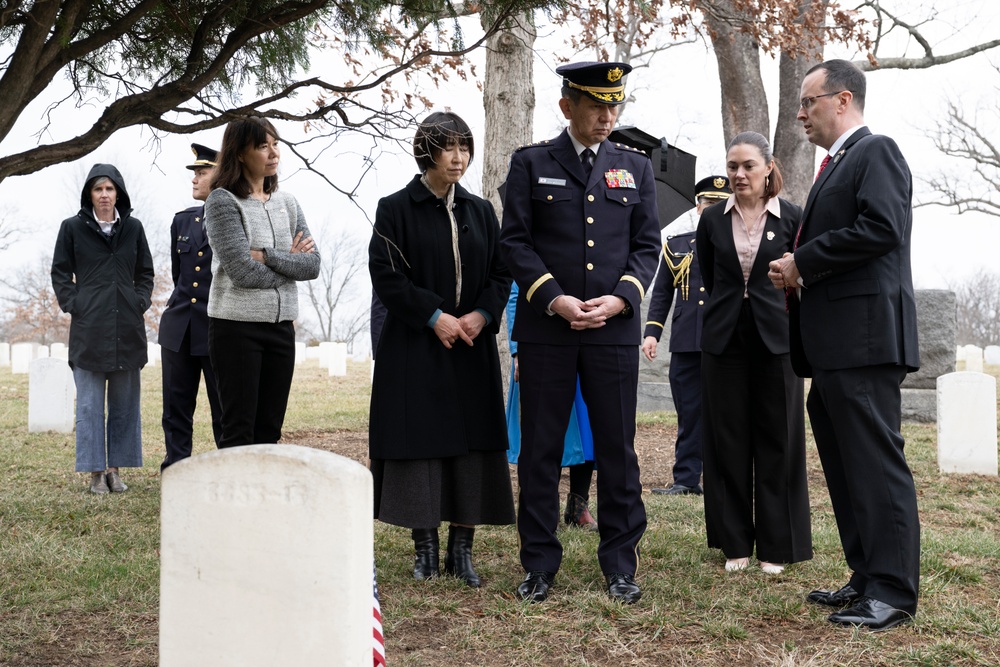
x=425 y=543
x=458 y=561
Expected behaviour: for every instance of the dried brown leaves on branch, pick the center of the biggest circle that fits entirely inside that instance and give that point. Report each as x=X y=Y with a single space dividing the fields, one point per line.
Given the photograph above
x=776 y=26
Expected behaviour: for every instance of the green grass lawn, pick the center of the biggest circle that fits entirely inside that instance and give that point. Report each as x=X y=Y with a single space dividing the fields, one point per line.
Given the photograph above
x=79 y=574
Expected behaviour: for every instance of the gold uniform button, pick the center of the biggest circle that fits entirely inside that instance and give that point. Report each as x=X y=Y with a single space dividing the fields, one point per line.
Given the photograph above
x=625 y=199
x=197 y=268
x=590 y=244
x=200 y=253
x=194 y=300
x=701 y=303
x=590 y=221
x=590 y=197
x=194 y=284
x=549 y=198
x=701 y=289
x=590 y=267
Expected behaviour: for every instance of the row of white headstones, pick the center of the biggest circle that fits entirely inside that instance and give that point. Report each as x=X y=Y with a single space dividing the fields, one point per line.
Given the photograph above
x=966 y=405
x=332 y=356
x=976 y=357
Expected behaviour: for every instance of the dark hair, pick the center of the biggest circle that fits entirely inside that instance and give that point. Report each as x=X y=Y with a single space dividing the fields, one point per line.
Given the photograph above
x=240 y=135
x=574 y=95
x=843 y=75
x=773 y=184
x=437 y=132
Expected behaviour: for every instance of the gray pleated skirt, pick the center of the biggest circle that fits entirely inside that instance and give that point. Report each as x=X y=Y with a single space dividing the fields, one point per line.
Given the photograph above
x=473 y=489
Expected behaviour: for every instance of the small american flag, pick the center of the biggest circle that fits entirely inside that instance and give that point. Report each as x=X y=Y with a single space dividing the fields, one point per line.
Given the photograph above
x=378 y=641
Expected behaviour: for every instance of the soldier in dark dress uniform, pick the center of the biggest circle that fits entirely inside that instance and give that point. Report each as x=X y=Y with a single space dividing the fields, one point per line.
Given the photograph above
x=184 y=324
x=678 y=283
x=581 y=236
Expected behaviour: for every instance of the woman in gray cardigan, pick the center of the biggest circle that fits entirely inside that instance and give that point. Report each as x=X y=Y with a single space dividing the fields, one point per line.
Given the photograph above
x=261 y=247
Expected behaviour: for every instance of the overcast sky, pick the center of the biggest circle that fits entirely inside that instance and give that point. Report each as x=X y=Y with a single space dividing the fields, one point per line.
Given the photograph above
x=678 y=99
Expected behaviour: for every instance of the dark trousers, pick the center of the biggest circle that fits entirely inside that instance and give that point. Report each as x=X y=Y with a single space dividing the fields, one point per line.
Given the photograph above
x=753 y=438
x=181 y=376
x=855 y=415
x=253 y=363
x=608 y=381
x=685 y=389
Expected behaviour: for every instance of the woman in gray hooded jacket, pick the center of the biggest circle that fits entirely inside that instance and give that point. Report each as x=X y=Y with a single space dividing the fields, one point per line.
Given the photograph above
x=102 y=274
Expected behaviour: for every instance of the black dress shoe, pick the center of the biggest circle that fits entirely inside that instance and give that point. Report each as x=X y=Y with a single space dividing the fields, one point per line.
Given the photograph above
x=680 y=490
x=622 y=587
x=872 y=614
x=839 y=598
x=535 y=587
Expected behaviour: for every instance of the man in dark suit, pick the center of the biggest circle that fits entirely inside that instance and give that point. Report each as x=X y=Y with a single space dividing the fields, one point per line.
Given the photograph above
x=581 y=236
x=184 y=324
x=678 y=283
x=853 y=324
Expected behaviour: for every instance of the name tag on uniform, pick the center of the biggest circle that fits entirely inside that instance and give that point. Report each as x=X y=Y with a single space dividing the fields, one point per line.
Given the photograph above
x=619 y=178
x=542 y=180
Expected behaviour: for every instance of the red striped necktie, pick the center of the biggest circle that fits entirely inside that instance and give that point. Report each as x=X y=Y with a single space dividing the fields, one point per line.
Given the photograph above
x=822 y=166
x=798 y=233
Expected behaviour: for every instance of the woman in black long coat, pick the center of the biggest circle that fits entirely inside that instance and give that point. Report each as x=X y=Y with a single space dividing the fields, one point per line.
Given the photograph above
x=437 y=434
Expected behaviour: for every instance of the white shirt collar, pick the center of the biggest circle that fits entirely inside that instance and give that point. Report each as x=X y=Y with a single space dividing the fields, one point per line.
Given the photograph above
x=839 y=143
x=106 y=226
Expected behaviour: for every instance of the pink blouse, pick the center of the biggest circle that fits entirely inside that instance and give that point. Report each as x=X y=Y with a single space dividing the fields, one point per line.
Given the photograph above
x=747 y=234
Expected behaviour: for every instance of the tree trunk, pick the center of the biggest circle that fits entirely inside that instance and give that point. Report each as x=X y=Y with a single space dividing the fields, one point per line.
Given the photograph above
x=744 y=102
x=509 y=102
x=797 y=155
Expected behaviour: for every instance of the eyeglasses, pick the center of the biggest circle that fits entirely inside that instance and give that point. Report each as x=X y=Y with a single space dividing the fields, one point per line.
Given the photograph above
x=807 y=102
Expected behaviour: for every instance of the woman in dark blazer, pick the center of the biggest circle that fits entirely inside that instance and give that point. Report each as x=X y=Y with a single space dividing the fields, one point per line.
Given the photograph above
x=437 y=429
x=753 y=425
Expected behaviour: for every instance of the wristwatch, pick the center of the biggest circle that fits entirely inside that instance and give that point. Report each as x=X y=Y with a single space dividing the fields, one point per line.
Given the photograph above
x=627 y=310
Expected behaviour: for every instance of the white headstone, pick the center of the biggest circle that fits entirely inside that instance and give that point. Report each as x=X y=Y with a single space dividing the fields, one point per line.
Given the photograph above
x=59 y=351
x=300 y=353
x=51 y=393
x=4 y=354
x=338 y=359
x=42 y=352
x=20 y=357
x=959 y=353
x=974 y=358
x=991 y=355
x=967 y=423
x=325 y=353
x=153 y=353
x=266 y=559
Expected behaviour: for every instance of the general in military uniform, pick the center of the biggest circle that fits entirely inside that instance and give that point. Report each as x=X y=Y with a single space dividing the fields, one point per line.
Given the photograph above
x=184 y=324
x=581 y=236
x=678 y=283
